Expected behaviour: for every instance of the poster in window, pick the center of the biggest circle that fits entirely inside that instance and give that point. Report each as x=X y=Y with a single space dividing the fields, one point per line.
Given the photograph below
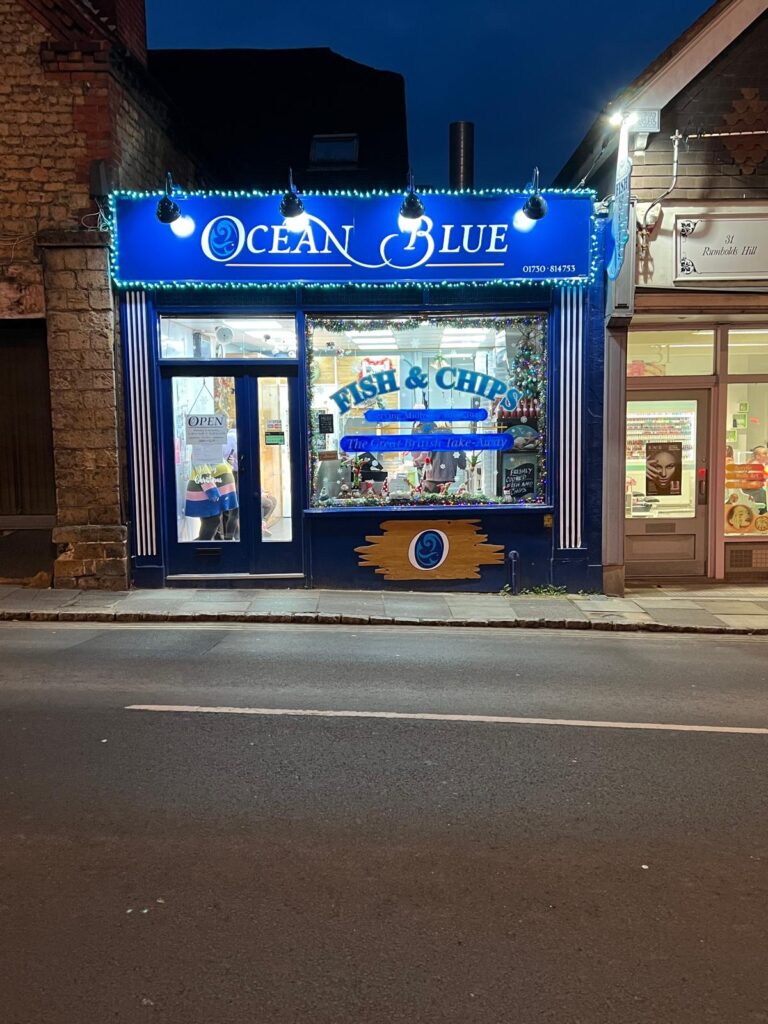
x=325 y=423
x=664 y=468
x=519 y=481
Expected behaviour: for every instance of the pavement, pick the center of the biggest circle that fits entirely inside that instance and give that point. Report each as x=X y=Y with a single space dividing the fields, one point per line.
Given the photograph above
x=602 y=858
x=717 y=608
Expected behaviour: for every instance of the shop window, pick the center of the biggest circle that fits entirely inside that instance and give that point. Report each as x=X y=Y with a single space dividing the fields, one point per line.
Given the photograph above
x=229 y=338
x=670 y=353
x=746 y=460
x=748 y=351
x=661 y=459
x=437 y=412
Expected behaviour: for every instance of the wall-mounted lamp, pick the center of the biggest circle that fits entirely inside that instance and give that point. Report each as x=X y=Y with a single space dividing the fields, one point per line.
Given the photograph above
x=292 y=208
x=619 y=118
x=412 y=209
x=535 y=206
x=169 y=212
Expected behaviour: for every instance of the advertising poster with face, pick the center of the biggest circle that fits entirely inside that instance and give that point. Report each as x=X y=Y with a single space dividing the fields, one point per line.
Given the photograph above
x=663 y=467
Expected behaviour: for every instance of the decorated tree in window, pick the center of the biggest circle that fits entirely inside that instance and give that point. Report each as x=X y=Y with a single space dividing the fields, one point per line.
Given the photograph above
x=527 y=373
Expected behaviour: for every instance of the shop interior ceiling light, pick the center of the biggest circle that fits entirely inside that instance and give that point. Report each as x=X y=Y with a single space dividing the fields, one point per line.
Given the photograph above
x=248 y=324
x=465 y=331
x=412 y=209
x=369 y=334
x=167 y=210
x=292 y=208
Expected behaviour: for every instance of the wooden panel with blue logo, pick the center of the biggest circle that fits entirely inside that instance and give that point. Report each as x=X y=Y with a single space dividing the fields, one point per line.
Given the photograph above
x=435 y=549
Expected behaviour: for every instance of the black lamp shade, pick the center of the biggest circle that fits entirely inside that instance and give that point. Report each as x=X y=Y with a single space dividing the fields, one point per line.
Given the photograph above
x=535 y=207
x=167 y=210
x=291 y=205
x=412 y=207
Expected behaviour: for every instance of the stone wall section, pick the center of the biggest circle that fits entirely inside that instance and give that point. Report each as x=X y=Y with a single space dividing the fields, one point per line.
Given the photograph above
x=71 y=95
x=90 y=532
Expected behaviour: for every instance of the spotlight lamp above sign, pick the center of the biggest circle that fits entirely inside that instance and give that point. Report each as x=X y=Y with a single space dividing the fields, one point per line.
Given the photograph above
x=169 y=212
x=412 y=209
x=292 y=209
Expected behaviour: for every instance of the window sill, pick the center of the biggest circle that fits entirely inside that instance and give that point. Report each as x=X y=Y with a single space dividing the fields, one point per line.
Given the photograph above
x=431 y=510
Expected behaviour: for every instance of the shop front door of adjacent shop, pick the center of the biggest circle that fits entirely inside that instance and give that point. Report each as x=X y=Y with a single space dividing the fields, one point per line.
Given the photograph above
x=232 y=482
x=666 y=483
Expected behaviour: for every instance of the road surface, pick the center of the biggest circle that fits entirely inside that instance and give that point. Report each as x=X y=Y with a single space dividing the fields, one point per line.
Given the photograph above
x=500 y=861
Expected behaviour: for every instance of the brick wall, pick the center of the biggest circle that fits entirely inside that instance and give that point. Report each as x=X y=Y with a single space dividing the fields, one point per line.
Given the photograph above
x=129 y=19
x=64 y=103
x=39 y=148
x=730 y=95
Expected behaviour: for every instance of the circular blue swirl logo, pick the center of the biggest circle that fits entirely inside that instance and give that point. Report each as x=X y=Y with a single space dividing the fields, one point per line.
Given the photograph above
x=428 y=550
x=223 y=238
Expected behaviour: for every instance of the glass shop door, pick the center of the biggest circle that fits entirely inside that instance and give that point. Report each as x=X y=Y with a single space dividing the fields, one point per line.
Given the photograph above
x=666 y=484
x=232 y=476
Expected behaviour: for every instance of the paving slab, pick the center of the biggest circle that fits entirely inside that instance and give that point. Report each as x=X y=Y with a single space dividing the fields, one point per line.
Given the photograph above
x=544 y=608
x=630 y=617
x=617 y=604
x=685 y=617
x=281 y=600
x=745 y=621
x=721 y=607
x=430 y=606
x=653 y=604
x=350 y=602
x=495 y=614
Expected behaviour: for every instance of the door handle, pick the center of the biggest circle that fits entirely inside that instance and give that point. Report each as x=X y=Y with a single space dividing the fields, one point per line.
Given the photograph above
x=701 y=477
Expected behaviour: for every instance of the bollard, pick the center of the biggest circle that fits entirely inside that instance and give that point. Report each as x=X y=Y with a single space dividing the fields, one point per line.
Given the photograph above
x=513 y=572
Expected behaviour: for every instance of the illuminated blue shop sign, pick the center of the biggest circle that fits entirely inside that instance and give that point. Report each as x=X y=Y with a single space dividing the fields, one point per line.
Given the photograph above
x=426 y=442
x=425 y=415
x=241 y=240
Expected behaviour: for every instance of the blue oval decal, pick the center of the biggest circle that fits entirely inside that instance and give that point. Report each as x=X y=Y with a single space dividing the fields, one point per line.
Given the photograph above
x=428 y=550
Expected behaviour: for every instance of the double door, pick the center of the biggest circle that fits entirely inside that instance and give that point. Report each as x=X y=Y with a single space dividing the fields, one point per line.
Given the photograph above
x=666 y=483
x=232 y=473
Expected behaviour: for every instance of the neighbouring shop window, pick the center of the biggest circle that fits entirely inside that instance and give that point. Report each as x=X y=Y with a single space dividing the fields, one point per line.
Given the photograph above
x=746 y=460
x=228 y=338
x=206 y=459
x=419 y=411
x=670 y=353
x=661 y=459
x=748 y=351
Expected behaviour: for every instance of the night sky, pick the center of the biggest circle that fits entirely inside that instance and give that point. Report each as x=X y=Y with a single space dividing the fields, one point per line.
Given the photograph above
x=531 y=76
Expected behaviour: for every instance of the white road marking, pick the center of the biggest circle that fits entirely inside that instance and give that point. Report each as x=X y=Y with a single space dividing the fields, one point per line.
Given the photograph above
x=417 y=716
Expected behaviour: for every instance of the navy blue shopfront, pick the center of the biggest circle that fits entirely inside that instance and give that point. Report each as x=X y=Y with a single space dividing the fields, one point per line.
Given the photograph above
x=351 y=403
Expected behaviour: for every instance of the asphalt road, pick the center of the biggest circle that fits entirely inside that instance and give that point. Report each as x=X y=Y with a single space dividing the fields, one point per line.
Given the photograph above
x=202 y=868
